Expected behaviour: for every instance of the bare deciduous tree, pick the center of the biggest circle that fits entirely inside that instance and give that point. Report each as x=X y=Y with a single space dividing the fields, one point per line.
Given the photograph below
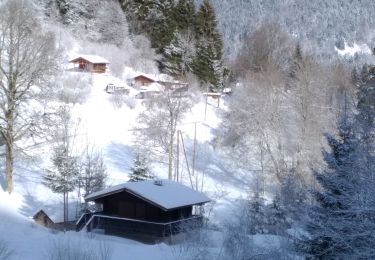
x=94 y=172
x=27 y=56
x=160 y=121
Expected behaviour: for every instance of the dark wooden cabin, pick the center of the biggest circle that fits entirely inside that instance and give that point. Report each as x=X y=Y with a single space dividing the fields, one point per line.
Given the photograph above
x=90 y=63
x=148 y=208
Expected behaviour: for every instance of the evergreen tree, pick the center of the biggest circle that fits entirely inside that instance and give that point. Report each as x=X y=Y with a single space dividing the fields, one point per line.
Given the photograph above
x=63 y=178
x=329 y=218
x=342 y=221
x=256 y=215
x=153 y=18
x=208 y=64
x=184 y=15
x=140 y=170
x=179 y=55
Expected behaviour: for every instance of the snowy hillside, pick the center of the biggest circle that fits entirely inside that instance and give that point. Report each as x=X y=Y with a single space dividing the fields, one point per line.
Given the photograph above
x=111 y=130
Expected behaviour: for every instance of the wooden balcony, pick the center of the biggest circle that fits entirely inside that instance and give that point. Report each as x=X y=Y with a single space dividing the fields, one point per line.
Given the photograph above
x=126 y=227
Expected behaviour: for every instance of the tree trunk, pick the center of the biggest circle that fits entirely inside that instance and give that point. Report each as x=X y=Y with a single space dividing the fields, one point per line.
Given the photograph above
x=9 y=166
x=9 y=145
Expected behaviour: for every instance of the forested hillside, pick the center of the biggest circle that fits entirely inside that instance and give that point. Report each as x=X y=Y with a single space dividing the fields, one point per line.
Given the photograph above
x=321 y=25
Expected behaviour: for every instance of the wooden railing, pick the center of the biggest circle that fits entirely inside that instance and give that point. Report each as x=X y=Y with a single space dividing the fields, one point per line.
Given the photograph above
x=125 y=226
x=83 y=220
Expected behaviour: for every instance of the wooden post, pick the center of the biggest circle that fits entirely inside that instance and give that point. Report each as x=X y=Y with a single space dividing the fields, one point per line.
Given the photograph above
x=178 y=156
x=186 y=160
x=194 y=147
x=205 y=108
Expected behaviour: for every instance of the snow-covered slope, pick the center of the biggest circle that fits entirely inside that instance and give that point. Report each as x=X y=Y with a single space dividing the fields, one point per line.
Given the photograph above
x=110 y=129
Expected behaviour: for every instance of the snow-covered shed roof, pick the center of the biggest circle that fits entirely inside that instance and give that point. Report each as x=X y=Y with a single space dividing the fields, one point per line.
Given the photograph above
x=56 y=212
x=144 y=77
x=95 y=59
x=169 y=195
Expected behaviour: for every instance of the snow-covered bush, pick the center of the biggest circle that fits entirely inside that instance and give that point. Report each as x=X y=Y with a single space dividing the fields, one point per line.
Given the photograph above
x=5 y=251
x=74 y=89
x=130 y=101
x=239 y=244
x=65 y=249
x=117 y=99
x=193 y=243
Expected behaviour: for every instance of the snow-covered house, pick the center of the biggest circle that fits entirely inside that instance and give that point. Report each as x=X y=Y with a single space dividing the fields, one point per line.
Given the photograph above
x=53 y=218
x=90 y=63
x=142 y=80
x=145 y=208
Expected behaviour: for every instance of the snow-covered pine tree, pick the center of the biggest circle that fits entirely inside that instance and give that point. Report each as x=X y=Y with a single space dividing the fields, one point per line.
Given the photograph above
x=208 y=64
x=255 y=213
x=184 y=15
x=179 y=55
x=140 y=170
x=342 y=221
x=64 y=177
x=331 y=219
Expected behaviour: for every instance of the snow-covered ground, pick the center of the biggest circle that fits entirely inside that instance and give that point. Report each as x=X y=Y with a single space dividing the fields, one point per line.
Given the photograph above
x=110 y=129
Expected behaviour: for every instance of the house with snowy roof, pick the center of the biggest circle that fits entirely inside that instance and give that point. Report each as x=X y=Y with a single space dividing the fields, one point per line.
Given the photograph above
x=147 y=209
x=142 y=80
x=90 y=63
x=53 y=217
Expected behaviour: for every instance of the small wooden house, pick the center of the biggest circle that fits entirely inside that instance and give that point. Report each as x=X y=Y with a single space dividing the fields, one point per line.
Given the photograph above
x=146 y=208
x=90 y=63
x=43 y=219
x=142 y=80
x=53 y=218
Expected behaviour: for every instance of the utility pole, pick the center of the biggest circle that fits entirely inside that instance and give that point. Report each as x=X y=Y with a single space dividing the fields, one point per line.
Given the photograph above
x=205 y=108
x=186 y=160
x=178 y=156
x=194 y=147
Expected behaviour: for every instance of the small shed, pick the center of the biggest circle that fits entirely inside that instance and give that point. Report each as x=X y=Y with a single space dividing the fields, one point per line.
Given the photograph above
x=90 y=63
x=149 y=208
x=53 y=218
x=43 y=219
x=142 y=80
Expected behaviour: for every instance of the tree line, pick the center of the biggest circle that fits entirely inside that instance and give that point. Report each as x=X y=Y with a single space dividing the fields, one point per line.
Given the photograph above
x=187 y=39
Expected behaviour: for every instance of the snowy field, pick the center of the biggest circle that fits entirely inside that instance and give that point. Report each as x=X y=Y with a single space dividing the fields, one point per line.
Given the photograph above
x=110 y=129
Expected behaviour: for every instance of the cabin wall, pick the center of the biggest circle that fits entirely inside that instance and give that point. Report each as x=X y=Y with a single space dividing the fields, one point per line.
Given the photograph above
x=127 y=205
x=85 y=65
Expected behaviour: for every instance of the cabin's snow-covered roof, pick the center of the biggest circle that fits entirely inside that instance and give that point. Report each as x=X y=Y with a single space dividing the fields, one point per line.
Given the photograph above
x=56 y=212
x=168 y=196
x=91 y=58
